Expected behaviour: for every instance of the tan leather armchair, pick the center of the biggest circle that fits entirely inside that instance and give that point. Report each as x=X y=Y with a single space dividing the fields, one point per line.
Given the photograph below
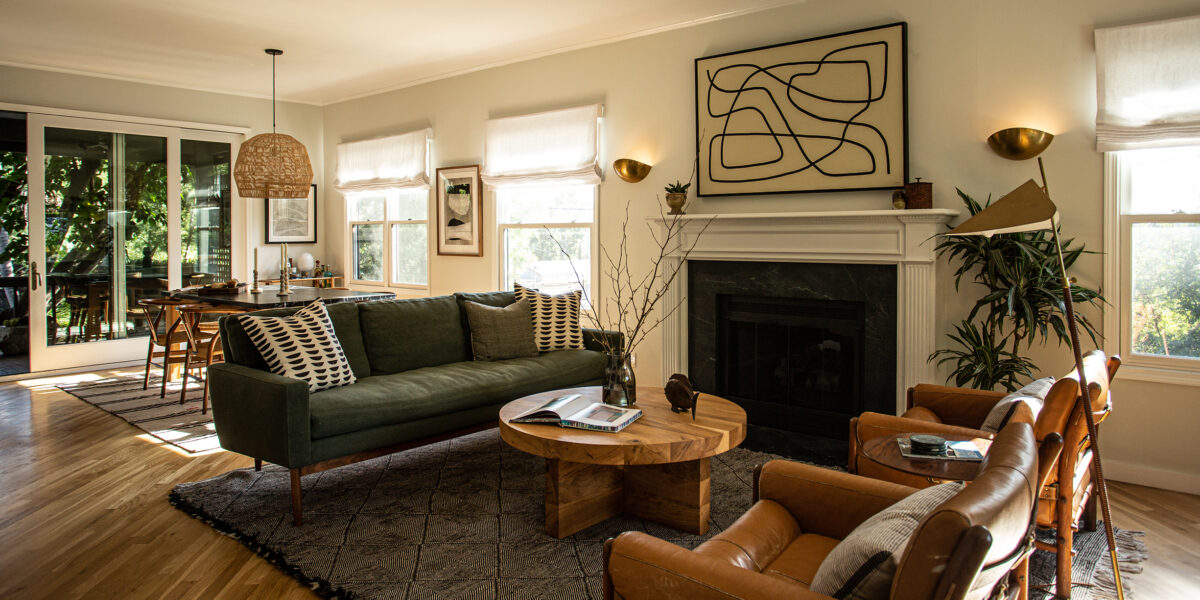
x=944 y=410
x=801 y=512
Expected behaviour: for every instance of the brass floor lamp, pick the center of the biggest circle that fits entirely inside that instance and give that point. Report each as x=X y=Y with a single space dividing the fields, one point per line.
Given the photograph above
x=1029 y=208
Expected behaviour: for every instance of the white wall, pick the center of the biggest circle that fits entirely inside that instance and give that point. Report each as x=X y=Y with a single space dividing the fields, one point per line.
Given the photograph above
x=974 y=67
x=94 y=94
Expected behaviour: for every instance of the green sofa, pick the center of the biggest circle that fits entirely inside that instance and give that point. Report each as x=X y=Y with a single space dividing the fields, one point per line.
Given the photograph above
x=416 y=384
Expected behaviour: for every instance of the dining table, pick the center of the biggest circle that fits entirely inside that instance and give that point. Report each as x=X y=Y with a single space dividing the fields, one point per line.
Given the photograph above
x=269 y=297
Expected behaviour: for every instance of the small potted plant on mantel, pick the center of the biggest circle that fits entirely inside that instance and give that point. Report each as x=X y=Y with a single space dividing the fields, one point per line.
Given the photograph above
x=677 y=197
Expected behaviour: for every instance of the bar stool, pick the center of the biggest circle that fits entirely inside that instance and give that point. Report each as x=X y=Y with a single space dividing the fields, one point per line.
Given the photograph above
x=161 y=311
x=203 y=343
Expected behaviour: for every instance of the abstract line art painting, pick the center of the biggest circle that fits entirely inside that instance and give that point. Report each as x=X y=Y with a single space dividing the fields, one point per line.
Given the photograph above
x=817 y=115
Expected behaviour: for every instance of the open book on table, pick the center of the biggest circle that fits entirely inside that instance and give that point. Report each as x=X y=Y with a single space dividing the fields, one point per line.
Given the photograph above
x=963 y=450
x=573 y=410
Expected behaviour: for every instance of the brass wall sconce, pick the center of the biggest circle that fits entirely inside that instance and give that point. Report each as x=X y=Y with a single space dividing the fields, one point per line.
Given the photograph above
x=1019 y=143
x=631 y=170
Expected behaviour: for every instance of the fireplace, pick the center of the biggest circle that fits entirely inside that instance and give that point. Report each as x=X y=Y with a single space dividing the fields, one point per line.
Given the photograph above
x=802 y=347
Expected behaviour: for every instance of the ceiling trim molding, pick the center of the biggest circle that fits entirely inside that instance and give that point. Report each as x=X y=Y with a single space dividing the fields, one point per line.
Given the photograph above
x=179 y=86
x=83 y=114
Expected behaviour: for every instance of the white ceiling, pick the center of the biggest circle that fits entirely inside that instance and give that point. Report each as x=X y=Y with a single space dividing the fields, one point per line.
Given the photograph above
x=333 y=50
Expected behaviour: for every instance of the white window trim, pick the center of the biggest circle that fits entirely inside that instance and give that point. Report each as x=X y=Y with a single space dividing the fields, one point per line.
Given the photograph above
x=349 y=249
x=1118 y=289
x=501 y=260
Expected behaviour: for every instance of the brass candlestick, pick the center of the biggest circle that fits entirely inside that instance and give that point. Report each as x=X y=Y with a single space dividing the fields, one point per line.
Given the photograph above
x=284 y=289
x=255 y=289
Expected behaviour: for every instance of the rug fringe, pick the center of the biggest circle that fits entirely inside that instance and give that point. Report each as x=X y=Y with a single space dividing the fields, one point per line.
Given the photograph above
x=1131 y=552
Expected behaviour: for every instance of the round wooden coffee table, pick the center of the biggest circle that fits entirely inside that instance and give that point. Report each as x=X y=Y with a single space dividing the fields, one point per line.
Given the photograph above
x=885 y=451
x=656 y=469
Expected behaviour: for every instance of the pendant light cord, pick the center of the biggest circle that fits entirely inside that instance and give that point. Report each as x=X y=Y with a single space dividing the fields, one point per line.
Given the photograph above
x=272 y=93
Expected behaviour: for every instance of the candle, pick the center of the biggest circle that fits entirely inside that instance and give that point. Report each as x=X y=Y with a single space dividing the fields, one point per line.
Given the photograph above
x=256 y=260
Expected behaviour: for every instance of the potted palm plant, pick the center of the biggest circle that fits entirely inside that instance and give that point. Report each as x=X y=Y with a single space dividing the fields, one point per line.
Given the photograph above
x=1022 y=303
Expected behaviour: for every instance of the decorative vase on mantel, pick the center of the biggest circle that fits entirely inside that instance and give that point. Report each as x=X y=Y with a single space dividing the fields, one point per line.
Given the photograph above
x=675 y=201
x=620 y=384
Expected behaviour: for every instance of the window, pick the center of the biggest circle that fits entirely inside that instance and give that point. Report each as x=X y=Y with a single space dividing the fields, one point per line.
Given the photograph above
x=386 y=182
x=1147 y=124
x=1159 y=204
x=544 y=171
x=389 y=239
x=536 y=225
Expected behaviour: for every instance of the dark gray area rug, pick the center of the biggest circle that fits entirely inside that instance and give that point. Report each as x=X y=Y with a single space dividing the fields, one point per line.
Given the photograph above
x=1091 y=571
x=458 y=519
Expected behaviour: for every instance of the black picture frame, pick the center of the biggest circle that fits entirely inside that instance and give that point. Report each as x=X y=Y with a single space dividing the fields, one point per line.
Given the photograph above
x=823 y=114
x=283 y=223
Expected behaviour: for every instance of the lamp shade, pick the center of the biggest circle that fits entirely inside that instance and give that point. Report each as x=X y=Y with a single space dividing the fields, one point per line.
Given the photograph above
x=1019 y=143
x=273 y=165
x=631 y=170
x=1026 y=208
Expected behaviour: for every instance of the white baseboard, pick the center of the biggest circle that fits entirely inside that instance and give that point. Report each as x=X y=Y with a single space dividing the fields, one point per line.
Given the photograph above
x=1187 y=483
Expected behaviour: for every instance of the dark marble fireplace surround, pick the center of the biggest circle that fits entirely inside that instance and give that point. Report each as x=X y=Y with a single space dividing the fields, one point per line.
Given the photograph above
x=813 y=428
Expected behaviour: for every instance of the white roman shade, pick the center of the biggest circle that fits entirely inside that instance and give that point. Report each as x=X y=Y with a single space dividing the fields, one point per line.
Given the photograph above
x=399 y=162
x=557 y=147
x=1148 y=85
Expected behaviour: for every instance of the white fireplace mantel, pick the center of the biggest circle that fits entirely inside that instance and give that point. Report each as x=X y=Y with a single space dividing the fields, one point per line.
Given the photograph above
x=899 y=237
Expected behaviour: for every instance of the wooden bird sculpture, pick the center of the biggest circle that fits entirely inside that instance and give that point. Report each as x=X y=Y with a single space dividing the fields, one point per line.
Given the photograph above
x=680 y=394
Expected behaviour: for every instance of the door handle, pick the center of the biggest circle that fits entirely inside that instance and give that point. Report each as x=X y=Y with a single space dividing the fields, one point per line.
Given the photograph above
x=35 y=278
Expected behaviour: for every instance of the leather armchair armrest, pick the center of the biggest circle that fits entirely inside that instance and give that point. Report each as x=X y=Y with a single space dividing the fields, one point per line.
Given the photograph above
x=956 y=406
x=592 y=339
x=640 y=566
x=823 y=501
x=261 y=414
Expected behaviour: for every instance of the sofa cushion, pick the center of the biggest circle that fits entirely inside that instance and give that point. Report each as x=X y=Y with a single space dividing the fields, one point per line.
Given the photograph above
x=427 y=392
x=863 y=565
x=400 y=335
x=499 y=333
x=344 y=315
x=485 y=298
x=555 y=318
x=301 y=346
x=1033 y=394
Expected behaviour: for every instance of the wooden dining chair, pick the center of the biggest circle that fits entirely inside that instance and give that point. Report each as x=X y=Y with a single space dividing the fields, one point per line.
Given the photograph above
x=167 y=342
x=203 y=343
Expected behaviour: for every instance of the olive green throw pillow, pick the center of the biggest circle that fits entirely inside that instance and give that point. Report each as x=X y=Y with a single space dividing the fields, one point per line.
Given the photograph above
x=500 y=333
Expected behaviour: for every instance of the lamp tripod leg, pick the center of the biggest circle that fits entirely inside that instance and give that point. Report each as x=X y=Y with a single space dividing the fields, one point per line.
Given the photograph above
x=1085 y=400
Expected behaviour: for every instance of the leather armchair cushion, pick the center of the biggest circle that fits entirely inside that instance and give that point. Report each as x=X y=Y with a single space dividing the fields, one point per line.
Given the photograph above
x=1033 y=395
x=863 y=565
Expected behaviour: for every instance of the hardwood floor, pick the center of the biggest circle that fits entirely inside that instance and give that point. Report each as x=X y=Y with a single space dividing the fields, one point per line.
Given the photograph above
x=83 y=513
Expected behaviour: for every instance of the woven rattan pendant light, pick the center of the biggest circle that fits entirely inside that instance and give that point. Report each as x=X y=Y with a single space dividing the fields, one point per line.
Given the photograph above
x=273 y=165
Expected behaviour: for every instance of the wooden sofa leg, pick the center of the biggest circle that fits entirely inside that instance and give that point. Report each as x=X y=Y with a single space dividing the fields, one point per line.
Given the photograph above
x=1063 y=518
x=1089 y=512
x=258 y=464
x=297 y=510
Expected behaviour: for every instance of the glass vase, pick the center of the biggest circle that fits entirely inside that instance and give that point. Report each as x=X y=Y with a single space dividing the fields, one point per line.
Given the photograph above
x=620 y=384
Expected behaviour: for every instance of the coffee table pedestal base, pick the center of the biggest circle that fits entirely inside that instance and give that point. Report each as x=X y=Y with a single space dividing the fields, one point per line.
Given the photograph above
x=580 y=495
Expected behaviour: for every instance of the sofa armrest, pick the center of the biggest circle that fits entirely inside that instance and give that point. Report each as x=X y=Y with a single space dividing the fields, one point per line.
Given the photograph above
x=637 y=566
x=964 y=407
x=260 y=414
x=592 y=339
x=824 y=501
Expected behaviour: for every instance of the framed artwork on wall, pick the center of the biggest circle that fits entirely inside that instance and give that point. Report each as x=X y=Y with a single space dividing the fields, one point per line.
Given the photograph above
x=817 y=115
x=459 y=211
x=292 y=220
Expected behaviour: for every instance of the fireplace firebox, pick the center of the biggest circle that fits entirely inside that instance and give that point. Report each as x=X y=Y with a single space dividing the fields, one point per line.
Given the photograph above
x=802 y=347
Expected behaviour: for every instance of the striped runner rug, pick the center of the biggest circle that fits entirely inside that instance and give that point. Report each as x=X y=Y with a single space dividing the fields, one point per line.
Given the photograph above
x=180 y=425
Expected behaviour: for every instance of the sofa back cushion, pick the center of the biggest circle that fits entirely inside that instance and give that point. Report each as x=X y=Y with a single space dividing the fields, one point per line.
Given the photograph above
x=400 y=335
x=344 y=315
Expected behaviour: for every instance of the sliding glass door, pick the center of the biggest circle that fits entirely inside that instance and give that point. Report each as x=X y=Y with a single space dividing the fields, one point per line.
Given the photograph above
x=127 y=211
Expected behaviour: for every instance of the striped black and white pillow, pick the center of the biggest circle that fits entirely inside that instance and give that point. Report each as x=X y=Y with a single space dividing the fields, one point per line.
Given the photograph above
x=555 y=319
x=302 y=346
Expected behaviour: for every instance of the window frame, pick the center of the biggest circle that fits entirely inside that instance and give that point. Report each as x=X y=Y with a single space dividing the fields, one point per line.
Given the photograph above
x=1118 y=275
x=594 y=231
x=387 y=222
